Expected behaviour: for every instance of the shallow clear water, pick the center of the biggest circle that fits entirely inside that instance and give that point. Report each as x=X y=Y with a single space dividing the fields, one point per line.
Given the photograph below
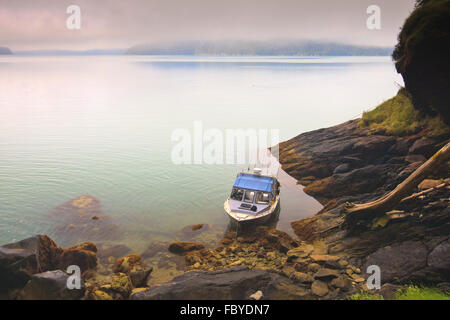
x=102 y=126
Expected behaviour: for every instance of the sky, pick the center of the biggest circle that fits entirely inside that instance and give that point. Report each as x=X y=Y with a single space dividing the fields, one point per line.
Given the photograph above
x=107 y=24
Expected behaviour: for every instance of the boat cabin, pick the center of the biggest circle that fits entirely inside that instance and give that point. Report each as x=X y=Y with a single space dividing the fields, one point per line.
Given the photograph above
x=253 y=193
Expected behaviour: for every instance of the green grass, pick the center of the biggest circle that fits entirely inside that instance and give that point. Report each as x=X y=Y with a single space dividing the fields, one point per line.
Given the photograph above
x=366 y=296
x=397 y=116
x=411 y=293
x=417 y=293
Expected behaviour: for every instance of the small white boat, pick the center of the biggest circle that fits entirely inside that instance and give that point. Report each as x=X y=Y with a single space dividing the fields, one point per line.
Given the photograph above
x=255 y=198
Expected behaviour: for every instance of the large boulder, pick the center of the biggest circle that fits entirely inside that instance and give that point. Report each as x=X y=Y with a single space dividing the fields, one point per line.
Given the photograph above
x=233 y=283
x=50 y=285
x=19 y=260
x=82 y=255
x=439 y=257
x=399 y=261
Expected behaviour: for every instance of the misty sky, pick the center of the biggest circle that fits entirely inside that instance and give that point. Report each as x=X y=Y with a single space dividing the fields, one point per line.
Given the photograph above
x=41 y=24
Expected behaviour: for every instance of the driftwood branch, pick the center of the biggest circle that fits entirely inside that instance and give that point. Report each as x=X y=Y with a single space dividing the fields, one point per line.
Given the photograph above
x=393 y=198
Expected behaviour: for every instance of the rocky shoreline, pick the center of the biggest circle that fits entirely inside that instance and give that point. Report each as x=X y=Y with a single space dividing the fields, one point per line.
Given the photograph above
x=327 y=259
x=347 y=163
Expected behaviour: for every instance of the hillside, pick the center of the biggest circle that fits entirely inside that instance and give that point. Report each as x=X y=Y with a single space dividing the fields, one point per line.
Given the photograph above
x=258 y=48
x=5 y=50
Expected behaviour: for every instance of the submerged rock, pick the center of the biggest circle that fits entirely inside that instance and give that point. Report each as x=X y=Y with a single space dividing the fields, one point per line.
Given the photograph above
x=180 y=247
x=82 y=219
x=115 y=251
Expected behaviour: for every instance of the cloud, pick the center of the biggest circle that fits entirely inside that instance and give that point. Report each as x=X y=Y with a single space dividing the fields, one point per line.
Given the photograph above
x=40 y=24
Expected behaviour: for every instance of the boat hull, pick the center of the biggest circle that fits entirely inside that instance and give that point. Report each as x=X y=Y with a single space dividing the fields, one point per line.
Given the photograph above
x=258 y=220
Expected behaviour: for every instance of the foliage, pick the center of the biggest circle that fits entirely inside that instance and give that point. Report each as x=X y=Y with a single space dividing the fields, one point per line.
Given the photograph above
x=418 y=293
x=411 y=293
x=397 y=116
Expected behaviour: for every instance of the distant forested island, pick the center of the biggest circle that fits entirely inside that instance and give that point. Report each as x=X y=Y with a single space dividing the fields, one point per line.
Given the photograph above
x=259 y=48
x=5 y=50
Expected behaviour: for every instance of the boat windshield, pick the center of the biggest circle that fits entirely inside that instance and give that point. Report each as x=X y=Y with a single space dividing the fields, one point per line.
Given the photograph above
x=262 y=198
x=249 y=196
x=237 y=194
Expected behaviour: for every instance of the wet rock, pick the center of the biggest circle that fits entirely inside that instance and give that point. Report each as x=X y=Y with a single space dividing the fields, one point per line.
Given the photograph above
x=397 y=262
x=357 y=278
x=302 y=277
x=288 y=270
x=233 y=283
x=50 y=285
x=326 y=259
x=326 y=274
x=121 y=284
x=83 y=255
x=100 y=295
x=132 y=266
x=313 y=267
x=127 y=263
x=180 y=247
x=319 y=288
x=302 y=251
x=343 y=263
x=281 y=240
x=19 y=260
x=139 y=277
x=341 y=283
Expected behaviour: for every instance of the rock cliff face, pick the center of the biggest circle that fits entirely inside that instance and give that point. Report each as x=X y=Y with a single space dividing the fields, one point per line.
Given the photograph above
x=422 y=55
x=349 y=163
x=346 y=163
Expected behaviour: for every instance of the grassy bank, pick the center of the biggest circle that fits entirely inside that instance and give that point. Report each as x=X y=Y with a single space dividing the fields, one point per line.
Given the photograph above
x=411 y=293
x=397 y=116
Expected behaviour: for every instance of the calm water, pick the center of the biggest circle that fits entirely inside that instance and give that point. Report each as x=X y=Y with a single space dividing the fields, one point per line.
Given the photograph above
x=102 y=126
